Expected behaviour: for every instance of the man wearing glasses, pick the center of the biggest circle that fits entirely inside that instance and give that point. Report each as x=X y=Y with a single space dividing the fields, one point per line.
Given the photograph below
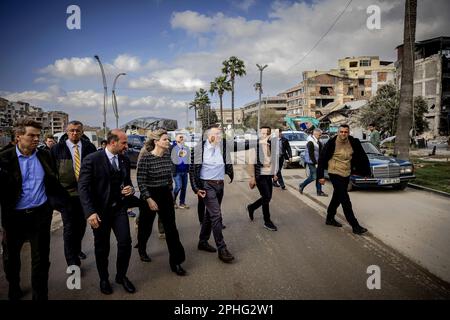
x=68 y=153
x=180 y=154
x=211 y=161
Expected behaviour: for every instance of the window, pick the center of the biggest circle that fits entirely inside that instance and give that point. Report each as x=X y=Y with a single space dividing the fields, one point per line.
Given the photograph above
x=364 y=63
x=354 y=64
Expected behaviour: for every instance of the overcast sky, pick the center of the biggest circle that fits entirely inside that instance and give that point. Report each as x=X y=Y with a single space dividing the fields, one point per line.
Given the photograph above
x=169 y=49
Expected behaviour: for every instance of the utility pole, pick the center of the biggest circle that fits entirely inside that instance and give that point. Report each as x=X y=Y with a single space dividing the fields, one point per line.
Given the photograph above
x=258 y=86
x=105 y=94
x=114 y=100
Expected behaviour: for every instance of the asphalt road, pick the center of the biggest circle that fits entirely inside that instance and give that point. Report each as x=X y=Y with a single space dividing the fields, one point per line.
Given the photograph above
x=414 y=222
x=304 y=259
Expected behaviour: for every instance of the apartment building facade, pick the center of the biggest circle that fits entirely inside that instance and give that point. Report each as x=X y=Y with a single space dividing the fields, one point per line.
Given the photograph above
x=357 y=78
x=431 y=80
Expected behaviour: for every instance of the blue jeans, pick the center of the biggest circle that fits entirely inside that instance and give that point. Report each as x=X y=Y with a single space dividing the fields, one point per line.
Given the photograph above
x=181 y=180
x=312 y=176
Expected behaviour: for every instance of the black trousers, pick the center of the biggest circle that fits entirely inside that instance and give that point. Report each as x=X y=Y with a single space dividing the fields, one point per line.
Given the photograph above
x=74 y=228
x=146 y=219
x=212 y=220
x=116 y=219
x=279 y=175
x=34 y=227
x=164 y=199
x=341 y=197
x=200 y=209
x=265 y=188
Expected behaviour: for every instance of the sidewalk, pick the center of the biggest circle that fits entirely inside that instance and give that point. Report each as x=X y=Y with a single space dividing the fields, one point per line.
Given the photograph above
x=416 y=223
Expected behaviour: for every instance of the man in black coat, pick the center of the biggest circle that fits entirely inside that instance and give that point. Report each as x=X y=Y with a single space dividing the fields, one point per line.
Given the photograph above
x=342 y=156
x=284 y=153
x=28 y=191
x=211 y=161
x=104 y=186
x=68 y=154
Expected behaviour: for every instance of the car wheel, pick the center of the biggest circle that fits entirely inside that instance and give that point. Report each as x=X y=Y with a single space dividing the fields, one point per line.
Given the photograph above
x=400 y=186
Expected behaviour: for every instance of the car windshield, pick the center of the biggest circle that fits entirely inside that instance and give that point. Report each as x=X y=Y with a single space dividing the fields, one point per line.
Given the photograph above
x=136 y=140
x=295 y=136
x=370 y=148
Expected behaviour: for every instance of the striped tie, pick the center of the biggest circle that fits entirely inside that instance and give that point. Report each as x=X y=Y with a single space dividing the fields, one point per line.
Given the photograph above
x=76 y=157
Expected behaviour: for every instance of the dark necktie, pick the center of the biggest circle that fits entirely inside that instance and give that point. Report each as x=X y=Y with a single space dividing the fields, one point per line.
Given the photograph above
x=114 y=164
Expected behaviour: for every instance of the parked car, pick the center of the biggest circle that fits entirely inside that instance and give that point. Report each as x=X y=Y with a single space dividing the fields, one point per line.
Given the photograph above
x=135 y=144
x=385 y=171
x=297 y=141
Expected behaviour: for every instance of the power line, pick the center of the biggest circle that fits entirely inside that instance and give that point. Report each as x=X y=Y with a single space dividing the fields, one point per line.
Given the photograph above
x=324 y=35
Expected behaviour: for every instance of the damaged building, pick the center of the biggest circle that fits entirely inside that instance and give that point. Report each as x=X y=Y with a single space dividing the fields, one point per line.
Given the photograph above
x=431 y=80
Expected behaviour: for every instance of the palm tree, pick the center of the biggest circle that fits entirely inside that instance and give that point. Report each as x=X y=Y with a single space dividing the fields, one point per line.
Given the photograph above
x=201 y=105
x=220 y=85
x=233 y=67
x=407 y=81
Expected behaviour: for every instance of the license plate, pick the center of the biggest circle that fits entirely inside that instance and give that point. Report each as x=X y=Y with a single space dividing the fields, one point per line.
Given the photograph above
x=389 y=181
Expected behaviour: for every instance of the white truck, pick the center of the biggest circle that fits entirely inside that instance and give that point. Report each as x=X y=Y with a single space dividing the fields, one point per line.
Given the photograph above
x=92 y=135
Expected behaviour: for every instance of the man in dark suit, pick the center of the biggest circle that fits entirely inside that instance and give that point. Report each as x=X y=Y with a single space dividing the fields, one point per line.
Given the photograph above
x=104 y=186
x=68 y=154
x=28 y=189
x=284 y=153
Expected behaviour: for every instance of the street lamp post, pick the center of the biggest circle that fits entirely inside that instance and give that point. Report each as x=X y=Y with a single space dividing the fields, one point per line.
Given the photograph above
x=105 y=93
x=114 y=100
x=259 y=87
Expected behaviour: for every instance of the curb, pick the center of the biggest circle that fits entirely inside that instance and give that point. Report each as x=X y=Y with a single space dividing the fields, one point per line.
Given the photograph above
x=441 y=193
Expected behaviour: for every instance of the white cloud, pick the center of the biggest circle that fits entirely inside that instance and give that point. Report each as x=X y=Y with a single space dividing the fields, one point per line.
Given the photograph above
x=291 y=30
x=125 y=62
x=28 y=96
x=172 y=80
x=87 y=105
x=191 y=21
x=73 y=67
x=244 y=4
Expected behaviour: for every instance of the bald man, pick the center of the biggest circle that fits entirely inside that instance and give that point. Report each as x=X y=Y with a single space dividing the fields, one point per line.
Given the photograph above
x=105 y=188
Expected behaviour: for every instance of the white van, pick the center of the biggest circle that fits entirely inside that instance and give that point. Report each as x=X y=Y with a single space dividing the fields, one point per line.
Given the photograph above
x=92 y=135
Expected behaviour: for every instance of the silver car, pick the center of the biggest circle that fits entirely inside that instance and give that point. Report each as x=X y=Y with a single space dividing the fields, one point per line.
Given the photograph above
x=297 y=141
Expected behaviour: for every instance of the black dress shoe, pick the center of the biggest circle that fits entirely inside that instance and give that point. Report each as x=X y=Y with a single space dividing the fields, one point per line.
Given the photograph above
x=250 y=212
x=82 y=255
x=359 y=230
x=333 y=222
x=205 y=246
x=105 y=287
x=144 y=257
x=127 y=285
x=322 y=194
x=225 y=255
x=178 y=270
